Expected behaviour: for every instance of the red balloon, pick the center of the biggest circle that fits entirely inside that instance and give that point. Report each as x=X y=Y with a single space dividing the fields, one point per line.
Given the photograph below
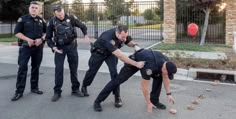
x=192 y=29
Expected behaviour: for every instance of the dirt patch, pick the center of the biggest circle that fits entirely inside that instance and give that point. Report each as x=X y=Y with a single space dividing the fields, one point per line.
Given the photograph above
x=224 y=64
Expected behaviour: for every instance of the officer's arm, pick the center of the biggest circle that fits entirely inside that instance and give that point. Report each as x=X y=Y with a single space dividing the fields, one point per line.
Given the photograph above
x=126 y=59
x=166 y=82
x=79 y=24
x=165 y=78
x=49 y=34
x=22 y=36
x=129 y=42
x=145 y=90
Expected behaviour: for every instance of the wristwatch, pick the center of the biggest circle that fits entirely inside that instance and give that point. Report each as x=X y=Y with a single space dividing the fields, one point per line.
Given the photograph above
x=168 y=93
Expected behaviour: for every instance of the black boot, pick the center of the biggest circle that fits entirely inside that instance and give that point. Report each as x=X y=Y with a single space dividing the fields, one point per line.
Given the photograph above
x=97 y=106
x=37 y=91
x=118 y=102
x=55 y=97
x=84 y=91
x=16 y=97
x=77 y=93
x=160 y=105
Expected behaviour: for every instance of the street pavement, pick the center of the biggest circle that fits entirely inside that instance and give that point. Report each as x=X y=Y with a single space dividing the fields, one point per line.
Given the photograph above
x=217 y=104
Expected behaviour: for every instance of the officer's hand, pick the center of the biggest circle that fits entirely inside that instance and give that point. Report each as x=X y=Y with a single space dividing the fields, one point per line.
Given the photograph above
x=57 y=50
x=86 y=39
x=170 y=99
x=137 y=48
x=149 y=107
x=30 y=42
x=140 y=64
x=38 y=42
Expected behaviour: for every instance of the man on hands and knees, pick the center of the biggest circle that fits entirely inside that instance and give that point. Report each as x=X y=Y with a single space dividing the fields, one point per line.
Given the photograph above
x=157 y=66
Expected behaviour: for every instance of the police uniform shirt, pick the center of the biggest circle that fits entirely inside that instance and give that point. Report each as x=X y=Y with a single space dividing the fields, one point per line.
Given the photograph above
x=32 y=27
x=152 y=65
x=51 y=28
x=108 y=41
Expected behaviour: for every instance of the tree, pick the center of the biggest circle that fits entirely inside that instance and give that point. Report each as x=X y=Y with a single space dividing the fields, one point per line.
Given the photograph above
x=148 y=14
x=92 y=12
x=115 y=9
x=78 y=9
x=207 y=7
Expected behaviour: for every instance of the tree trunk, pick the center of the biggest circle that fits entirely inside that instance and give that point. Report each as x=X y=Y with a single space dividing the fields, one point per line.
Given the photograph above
x=204 y=31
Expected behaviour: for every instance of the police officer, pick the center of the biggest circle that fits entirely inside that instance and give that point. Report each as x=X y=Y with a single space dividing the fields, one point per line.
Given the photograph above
x=64 y=44
x=106 y=48
x=157 y=66
x=30 y=29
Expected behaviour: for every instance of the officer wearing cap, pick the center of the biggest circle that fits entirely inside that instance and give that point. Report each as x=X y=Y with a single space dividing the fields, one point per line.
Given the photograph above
x=30 y=31
x=106 y=48
x=157 y=66
x=61 y=37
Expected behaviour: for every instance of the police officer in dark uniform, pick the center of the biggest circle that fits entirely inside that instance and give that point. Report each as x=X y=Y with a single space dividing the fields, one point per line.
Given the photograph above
x=61 y=37
x=106 y=48
x=30 y=29
x=157 y=66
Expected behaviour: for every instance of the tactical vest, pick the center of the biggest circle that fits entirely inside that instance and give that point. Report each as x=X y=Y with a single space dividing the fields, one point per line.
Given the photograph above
x=65 y=33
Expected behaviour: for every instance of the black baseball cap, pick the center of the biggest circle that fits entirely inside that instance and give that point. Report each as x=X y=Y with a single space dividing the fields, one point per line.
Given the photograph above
x=171 y=69
x=57 y=8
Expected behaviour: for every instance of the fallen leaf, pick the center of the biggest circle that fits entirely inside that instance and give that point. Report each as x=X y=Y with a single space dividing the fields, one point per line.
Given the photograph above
x=195 y=102
x=208 y=90
x=190 y=107
x=201 y=96
x=173 y=111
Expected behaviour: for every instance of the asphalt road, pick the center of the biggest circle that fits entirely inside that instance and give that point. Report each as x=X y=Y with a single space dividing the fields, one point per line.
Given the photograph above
x=217 y=104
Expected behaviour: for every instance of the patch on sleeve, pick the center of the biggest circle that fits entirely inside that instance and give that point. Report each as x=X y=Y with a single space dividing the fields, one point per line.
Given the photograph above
x=113 y=42
x=148 y=72
x=48 y=24
x=75 y=17
x=44 y=21
x=19 y=20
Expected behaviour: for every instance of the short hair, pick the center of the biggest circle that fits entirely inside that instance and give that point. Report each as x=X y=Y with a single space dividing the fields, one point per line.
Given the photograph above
x=57 y=8
x=34 y=3
x=121 y=28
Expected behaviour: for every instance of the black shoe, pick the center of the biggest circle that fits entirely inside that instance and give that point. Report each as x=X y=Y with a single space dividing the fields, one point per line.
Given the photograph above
x=160 y=105
x=97 y=107
x=118 y=102
x=84 y=91
x=56 y=97
x=37 y=91
x=17 y=96
x=77 y=93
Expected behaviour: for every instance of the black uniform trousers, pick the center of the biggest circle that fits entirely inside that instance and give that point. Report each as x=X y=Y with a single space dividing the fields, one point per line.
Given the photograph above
x=72 y=56
x=125 y=73
x=95 y=63
x=36 y=55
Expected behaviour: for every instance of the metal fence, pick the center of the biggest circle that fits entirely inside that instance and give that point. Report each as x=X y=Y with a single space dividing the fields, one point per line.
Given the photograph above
x=189 y=14
x=99 y=17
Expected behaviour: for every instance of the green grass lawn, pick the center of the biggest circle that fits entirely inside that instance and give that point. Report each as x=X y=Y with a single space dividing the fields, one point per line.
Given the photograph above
x=189 y=47
x=7 y=38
